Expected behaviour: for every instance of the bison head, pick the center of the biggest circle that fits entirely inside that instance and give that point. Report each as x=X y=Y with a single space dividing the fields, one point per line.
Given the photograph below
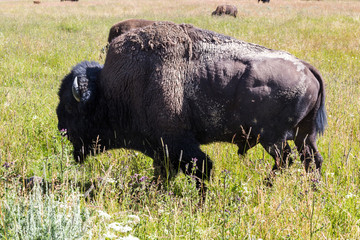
x=78 y=107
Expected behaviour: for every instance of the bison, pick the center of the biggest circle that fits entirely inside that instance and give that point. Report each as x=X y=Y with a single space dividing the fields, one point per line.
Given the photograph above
x=225 y=9
x=165 y=89
x=125 y=26
x=264 y=1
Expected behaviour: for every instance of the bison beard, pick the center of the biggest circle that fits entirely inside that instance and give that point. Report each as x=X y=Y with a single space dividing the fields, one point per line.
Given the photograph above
x=167 y=88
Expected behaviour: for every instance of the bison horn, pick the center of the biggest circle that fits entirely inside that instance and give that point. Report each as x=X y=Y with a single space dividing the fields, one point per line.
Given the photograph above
x=75 y=90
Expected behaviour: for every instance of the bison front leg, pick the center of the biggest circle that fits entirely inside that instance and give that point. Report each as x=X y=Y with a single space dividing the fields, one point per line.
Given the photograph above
x=198 y=165
x=164 y=170
x=184 y=153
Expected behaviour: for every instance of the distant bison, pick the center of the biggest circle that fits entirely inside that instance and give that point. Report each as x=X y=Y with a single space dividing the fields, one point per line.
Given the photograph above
x=166 y=88
x=125 y=26
x=225 y=9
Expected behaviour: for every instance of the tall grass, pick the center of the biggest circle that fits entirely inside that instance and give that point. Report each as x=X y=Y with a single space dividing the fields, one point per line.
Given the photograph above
x=40 y=43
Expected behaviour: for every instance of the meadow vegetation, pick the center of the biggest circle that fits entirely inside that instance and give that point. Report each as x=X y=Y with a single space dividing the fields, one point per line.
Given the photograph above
x=111 y=196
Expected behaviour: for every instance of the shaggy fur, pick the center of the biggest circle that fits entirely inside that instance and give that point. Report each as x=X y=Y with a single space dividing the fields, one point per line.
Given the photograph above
x=225 y=9
x=167 y=88
x=125 y=26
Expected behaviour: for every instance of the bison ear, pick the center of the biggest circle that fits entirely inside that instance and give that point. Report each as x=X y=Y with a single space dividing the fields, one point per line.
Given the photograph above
x=75 y=89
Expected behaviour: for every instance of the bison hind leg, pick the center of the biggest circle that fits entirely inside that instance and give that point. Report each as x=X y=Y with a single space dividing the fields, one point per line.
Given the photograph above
x=305 y=141
x=307 y=148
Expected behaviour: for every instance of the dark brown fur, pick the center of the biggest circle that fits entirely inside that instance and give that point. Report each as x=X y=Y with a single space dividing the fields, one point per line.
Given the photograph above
x=125 y=26
x=166 y=88
x=225 y=9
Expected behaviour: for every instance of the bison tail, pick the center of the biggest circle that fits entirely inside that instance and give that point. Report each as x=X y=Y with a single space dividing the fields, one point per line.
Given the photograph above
x=320 y=110
x=321 y=118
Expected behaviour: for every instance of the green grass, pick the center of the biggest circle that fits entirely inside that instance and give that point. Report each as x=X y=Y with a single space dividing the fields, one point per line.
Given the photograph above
x=40 y=43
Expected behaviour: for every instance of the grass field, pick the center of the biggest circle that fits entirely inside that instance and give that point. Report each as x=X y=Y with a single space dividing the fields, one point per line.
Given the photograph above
x=39 y=43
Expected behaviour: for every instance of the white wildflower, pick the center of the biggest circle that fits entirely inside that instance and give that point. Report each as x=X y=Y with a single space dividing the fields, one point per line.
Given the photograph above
x=61 y=205
x=109 y=235
x=119 y=228
x=104 y=214
x=130 y=237
x=133 y=219
x=35 y=117
x=350 y=195
x=110 y=180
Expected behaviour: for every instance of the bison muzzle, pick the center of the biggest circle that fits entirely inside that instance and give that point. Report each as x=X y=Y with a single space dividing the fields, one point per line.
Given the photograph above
x=166 y=88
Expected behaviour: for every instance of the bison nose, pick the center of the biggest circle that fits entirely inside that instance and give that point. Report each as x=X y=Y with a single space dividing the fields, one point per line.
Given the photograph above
x=60 y=127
